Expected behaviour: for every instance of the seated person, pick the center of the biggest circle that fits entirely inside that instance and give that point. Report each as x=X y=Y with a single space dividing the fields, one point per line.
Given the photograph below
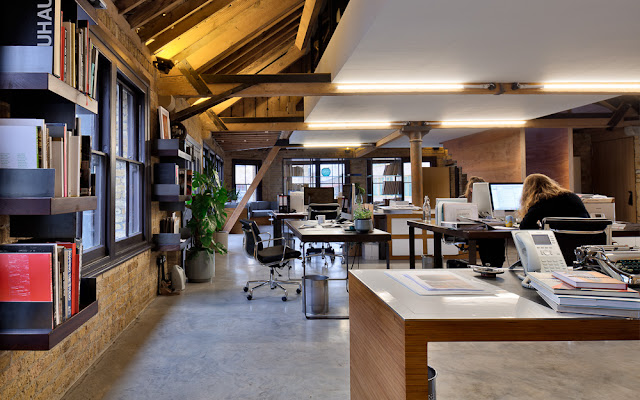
x=491 y=251
x=543 y=197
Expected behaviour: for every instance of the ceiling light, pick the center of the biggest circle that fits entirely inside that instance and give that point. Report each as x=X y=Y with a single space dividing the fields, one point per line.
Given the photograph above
x=381 y=124
x=482 y=123
x=591 y=86
x=401 y=86
x=201 y=100
x=332 y=144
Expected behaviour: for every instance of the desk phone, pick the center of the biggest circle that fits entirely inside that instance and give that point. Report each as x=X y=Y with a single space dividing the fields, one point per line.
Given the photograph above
x=539 y=252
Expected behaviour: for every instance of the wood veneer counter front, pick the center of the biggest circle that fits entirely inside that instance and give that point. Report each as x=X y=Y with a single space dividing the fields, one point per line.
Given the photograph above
x=390 y=327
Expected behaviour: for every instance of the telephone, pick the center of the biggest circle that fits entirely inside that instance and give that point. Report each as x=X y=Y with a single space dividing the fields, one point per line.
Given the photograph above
x=539 y=252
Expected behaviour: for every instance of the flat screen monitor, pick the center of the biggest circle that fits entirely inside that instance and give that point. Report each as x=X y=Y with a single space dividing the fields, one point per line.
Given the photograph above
x=482 y=198
x=505 y=196
x=318 y=195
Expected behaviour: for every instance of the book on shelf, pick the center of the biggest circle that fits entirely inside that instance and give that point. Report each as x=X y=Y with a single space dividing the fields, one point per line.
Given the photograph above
x=589 y=279
x=551 y=284
x=609 y=312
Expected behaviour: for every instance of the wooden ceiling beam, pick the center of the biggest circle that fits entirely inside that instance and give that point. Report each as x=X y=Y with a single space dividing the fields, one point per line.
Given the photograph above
x=205 y=105
x=252 y=42
x=142 y=15
x=385 y=140
x=267 y=54
x=307 y=23
x=124 y=6
x=618 y=116
x=251 y=47
x=164 y=22
x=183 y=24
x=256 y=79
x=234 y=28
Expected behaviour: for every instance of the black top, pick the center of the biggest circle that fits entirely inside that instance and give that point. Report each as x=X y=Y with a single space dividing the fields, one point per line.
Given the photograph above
x=564 y=205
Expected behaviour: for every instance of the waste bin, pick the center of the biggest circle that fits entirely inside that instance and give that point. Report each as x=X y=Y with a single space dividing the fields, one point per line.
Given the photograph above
x=316 y=289
x=432 y=383
x=427 y=262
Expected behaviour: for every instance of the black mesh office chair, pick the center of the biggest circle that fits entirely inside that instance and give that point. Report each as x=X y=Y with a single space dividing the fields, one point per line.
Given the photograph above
x=330 y=211
x=275 y=257
x=575 y=232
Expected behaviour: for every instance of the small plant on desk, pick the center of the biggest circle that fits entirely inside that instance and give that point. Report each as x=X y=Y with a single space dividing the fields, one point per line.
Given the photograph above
x=362 y=217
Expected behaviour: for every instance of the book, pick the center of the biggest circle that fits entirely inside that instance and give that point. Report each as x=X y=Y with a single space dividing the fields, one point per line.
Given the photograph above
x=67 y=272
x=589 y=279
x=75 y=253
x=550 y=284
x=19 y=147
x=73 y=167
x=85 y=166
x=589 y=301
x=609 y=312
x=58 y=131
x=57 y=163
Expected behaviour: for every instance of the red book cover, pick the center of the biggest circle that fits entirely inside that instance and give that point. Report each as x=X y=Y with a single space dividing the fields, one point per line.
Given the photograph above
x=75 y=276
x=25 y=277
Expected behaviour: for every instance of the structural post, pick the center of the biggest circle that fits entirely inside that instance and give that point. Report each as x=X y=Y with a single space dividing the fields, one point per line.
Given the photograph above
x=415 y=132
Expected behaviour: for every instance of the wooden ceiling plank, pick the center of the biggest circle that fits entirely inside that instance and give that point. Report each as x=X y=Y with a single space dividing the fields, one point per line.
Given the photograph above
x=260 y=120
x=272 y=50
x=307 y=23
x=161 y=23
x=194 y=79
x=618 y=116
x=124 y=6
x=205 y=105
x=174 y=30
x=142 y=15
x=256 y=79
x=267 y=59
x=253 y=40
x=202 y=46
x=251 y=46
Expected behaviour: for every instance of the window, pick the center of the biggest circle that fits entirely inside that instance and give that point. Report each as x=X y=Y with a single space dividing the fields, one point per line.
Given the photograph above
x=129 y=163
x=211 y=160
x=406 y=176
x=385 y=180
x=306 y=172
x=244 y=172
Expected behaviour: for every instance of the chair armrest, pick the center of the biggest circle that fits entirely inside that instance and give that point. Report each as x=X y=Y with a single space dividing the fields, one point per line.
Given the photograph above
x=266 y=233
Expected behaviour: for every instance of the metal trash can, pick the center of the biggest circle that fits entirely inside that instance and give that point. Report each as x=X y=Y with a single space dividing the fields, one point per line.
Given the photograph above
x=431 y=395
x=427 y=262
x=316 y=289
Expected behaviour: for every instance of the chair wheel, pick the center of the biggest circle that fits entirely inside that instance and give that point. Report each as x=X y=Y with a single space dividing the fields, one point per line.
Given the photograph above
x=246 y=289
x=249 y=297
x=284 y=298
x=298 y=291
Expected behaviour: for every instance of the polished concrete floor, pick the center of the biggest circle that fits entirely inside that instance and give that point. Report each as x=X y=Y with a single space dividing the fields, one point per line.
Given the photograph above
x=212 y=343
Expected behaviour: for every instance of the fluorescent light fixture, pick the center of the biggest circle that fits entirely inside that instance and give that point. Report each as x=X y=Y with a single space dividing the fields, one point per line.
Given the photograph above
x=202 y=100
x=483 y=123
x=332 y=144
x=591 y=86
x=381 y=124
x=400 y=86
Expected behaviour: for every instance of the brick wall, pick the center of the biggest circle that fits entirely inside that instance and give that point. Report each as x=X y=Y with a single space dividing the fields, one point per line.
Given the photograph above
x=582 y=149
x=272 y=183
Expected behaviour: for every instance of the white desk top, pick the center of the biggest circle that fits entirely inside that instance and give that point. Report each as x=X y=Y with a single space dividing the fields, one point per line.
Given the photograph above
x=411 y=306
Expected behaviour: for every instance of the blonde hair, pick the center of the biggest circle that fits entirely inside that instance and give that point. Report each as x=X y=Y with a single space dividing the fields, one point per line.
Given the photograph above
x=537 y=187
x=468 y=191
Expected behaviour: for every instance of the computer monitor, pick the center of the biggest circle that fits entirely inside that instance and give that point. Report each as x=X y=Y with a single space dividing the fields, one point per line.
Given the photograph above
x=482 y=198
x=318 y=195
x=505 y=196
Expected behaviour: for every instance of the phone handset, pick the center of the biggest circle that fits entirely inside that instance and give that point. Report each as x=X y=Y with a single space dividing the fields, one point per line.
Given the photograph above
x=538 y=251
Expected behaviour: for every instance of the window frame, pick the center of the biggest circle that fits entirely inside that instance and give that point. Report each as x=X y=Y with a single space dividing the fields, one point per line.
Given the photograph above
x=315 y=163
x=256 y=163
x=113 y=253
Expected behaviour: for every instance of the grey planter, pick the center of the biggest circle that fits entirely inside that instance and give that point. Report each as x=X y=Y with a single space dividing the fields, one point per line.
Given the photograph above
x=201 y=267
x=363 y=225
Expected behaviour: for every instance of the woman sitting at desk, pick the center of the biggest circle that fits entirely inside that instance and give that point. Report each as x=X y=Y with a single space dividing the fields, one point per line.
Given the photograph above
x=542 y=197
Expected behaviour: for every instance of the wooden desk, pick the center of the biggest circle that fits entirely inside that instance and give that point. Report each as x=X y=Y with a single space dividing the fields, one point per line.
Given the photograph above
x=332 y=235
x=391 y=327
x=471 y=235
x=278 y=217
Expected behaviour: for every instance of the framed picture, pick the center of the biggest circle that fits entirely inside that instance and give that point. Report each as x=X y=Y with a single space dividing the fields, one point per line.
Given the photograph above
x=165 y=125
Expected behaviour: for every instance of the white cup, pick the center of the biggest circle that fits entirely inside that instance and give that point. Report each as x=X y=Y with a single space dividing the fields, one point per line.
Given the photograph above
x=320 y=219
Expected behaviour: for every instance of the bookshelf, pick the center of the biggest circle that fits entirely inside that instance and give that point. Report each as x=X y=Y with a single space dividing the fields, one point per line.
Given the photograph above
x=165 y=190
x=32 y=91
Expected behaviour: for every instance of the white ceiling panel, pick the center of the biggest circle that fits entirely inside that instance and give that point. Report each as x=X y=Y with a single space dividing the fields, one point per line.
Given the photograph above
x=348 y=136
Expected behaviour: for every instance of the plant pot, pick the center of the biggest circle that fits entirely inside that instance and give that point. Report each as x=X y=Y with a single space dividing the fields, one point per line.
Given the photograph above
x=201 y=267
x=363 y=225
x=222 y=238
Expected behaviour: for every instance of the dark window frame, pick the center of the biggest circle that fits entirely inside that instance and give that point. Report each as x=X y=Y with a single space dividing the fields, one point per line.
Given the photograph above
x=238 y=161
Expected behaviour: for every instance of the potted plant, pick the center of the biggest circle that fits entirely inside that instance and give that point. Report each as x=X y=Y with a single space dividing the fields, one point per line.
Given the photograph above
x=207 y=214
x=362 y=219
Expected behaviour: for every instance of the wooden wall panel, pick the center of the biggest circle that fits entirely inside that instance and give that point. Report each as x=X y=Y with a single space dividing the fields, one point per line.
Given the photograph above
x=550 y=152
x=497 y=155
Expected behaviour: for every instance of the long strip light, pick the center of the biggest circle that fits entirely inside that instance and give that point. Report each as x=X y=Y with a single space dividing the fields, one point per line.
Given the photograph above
x=591 y=86
x=381 y=124
x=201 y=100
x=482 y=123
x=400 y=86
x=332 y=144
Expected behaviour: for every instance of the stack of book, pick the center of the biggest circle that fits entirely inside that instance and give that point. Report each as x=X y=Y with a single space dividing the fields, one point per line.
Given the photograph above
x=40 y=281
x=34 y=143
x=586 y=292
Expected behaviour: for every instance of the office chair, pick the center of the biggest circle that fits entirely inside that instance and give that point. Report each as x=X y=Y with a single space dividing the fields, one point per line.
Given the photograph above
x=330 y=211
x=572 y=233
x=274 y=257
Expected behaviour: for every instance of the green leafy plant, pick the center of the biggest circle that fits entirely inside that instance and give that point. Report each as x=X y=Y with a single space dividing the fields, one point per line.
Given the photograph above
x=362 y=213
x=207 y=212
x=233 y=194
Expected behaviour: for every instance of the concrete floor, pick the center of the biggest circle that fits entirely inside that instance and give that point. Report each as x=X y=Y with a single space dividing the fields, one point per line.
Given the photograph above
x=211 y=343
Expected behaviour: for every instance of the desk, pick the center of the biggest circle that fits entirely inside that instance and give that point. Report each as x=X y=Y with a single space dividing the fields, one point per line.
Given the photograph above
x=332 y=235
x=471 y=235
x=391 y=327
x=279 y=217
